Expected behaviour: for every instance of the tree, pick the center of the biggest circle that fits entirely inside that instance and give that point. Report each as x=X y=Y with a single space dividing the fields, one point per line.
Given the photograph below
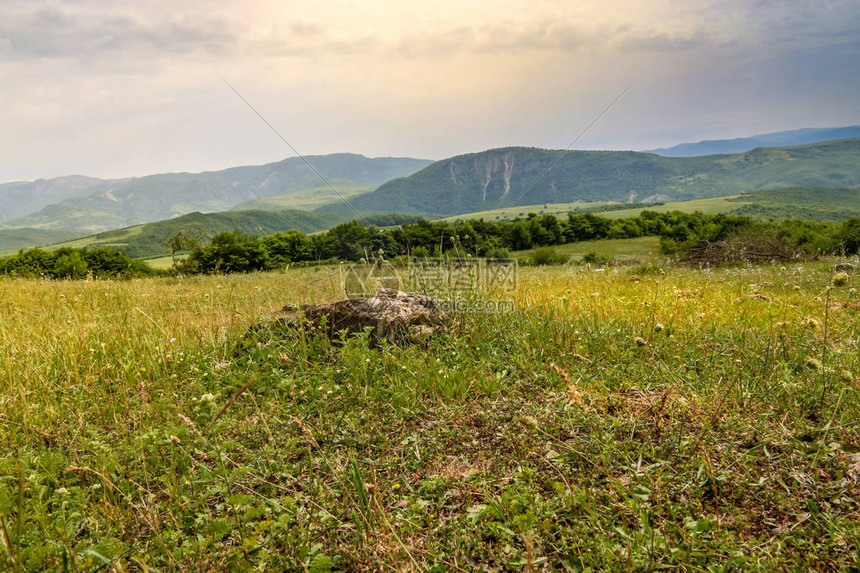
x=183 y=240
x=284 y=248
x=70 y=265
x=849 y=236
x=231 y=252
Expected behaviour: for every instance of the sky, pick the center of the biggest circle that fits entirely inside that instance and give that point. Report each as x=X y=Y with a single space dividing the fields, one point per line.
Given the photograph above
x=113 y=89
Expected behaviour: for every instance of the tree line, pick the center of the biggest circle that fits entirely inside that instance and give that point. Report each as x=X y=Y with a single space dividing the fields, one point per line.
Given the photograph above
x=681 y=235
x=71 y=263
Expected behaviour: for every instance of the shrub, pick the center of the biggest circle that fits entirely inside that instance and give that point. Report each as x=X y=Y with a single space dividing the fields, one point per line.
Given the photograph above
x=594 y=258
x=547 y=256
x=231 y=252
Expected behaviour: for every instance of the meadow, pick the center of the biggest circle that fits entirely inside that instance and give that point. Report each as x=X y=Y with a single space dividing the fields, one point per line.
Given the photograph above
x=638 y=418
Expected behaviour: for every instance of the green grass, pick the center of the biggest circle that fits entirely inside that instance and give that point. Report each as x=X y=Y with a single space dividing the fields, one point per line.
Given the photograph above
x=524 y=211
x=808 y=203
x=164 y=263
x=707 y=206
x=692 y=420
x=642 y=248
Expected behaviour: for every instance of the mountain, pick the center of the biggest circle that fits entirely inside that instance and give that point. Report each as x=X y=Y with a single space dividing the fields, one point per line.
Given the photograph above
x=775 y=139
x=159 y=197
x=515 y=176
x=25 y=197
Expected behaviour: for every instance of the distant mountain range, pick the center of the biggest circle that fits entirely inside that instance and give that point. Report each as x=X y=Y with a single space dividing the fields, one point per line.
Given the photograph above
x=22 y=198
x=85 y=205
x=775 y=139
x=56 y=210
x=515 y=176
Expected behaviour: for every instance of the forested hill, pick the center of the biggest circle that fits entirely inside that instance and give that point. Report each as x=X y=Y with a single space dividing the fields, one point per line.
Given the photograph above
x=512 y=176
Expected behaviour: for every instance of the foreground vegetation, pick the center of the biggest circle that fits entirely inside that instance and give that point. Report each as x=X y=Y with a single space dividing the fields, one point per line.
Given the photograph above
x=640 y=418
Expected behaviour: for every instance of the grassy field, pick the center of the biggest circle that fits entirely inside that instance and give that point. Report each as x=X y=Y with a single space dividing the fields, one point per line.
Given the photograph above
x=809 y=203
x=708 y=206
x=637 y=419
x=523 y=211
x=164 y=263
x=642 y=248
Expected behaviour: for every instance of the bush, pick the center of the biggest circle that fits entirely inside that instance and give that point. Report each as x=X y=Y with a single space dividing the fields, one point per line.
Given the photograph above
x=548 y=256
x=499 y=253
x=70 y=266
x=69 y=263
x=420 y=253
x=231 y=252
x=849 y=236
x=594 y=258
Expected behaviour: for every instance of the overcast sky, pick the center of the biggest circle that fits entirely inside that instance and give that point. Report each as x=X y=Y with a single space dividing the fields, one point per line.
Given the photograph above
x=111 y=89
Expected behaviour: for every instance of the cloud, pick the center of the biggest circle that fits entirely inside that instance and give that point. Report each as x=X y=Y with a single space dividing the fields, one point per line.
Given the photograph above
x=55 y=31
x=552 y=37
x=93 y=30
x=665 y=42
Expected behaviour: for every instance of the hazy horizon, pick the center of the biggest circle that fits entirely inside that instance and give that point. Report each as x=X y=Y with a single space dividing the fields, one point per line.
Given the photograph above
x=110 y=90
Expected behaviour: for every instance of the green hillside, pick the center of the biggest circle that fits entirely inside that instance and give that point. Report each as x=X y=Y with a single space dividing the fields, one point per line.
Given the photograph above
x=497 y=178
x=305 y=199
x=12 y=240
x=808 y=203
x=159 y=197
x=599 y=207
x=145 y=241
